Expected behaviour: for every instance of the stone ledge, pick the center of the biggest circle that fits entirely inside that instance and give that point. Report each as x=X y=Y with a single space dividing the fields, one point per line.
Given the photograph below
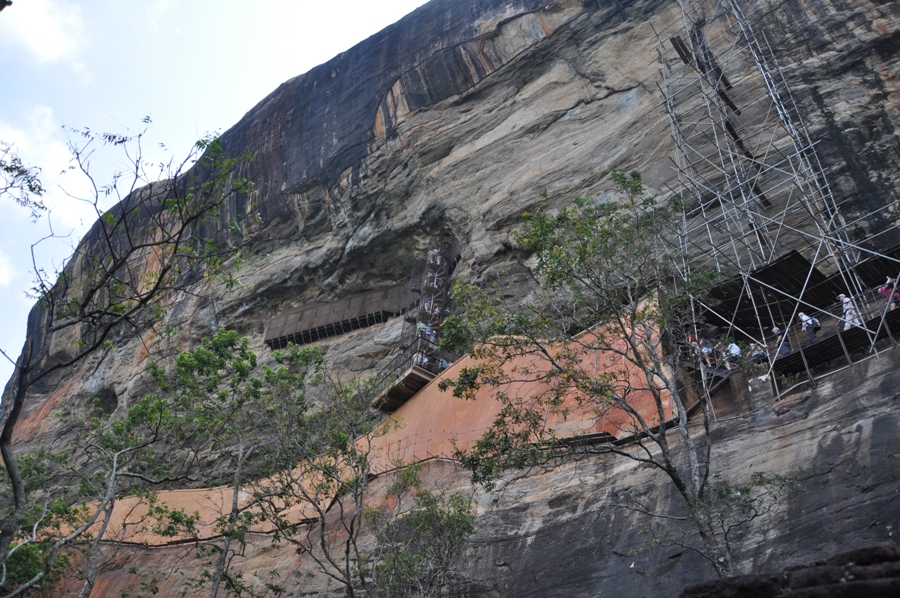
x=861 y=573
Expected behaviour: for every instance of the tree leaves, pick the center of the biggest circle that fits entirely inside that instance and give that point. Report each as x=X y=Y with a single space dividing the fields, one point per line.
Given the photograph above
x=19 y=182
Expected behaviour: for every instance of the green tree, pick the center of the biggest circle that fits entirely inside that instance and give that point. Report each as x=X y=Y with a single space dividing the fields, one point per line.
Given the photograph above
x=205 y=406
x=613 y=281
x=117 y=456
x=323 y=460
x=297 y=443
x=331 y=443
x=301 y=445
x=417 y=547
x=164 y=235
x=227 y=404
x=49 y=513
x=71 y=495
x=19 y=182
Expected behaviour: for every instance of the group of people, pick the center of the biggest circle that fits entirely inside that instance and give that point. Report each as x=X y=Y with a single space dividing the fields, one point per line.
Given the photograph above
x=434 y=280
x=431 y=307
x=436 y=259
x=426 y=331
x=849 y=316
x=811 y=326
x=424 y=360
x=431 y=310
x=731 y=354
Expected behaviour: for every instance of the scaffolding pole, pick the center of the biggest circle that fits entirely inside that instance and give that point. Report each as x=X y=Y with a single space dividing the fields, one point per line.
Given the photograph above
x=750 y=178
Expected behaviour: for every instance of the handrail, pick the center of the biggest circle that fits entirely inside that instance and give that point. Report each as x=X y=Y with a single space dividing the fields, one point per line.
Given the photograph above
x=422 y=353
x=871 y=309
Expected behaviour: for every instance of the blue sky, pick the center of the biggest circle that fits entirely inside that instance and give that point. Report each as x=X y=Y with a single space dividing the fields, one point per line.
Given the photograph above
x=193 y=66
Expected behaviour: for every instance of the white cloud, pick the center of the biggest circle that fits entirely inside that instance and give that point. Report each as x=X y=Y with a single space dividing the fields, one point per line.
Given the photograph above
x=49 y=30
x=40 y=142
x=156 y=10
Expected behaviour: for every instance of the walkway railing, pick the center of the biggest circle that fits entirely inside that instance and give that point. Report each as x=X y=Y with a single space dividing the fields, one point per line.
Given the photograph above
x=843 y=333
x=422 y=353
x=869 y=308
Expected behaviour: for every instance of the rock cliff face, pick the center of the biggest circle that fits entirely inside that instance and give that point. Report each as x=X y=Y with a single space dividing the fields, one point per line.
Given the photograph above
x=558 y=532
x=453 y=122
x=864 y=572
x=456 y=119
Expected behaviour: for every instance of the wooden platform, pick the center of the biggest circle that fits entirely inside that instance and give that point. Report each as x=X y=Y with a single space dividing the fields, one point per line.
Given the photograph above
x=411 y=381
x=840 y=345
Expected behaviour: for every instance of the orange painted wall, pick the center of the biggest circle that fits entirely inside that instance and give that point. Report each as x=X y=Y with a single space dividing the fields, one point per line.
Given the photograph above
x=433 y=421
x=428 y=425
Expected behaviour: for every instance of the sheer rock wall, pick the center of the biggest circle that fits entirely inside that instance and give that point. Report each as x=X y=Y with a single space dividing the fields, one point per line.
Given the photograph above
x=560 y=532
x=454 y=121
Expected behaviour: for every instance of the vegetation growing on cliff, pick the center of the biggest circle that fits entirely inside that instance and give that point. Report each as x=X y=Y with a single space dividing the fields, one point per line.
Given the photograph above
x=300 y=449
x=296 y=448
x=418 y=548
x=614 y=287
x=18 y=181
x=139 y=255
x=321 y=461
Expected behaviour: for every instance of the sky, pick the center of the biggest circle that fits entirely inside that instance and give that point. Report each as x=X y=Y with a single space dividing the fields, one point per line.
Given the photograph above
x=192 y=66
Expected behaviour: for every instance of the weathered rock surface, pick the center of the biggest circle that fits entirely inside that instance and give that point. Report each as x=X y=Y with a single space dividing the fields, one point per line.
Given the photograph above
x=562 y=532
x=863 y=573
x=454 y=121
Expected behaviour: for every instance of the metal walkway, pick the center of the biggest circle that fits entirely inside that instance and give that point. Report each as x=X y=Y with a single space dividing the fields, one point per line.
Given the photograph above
x=842 y=344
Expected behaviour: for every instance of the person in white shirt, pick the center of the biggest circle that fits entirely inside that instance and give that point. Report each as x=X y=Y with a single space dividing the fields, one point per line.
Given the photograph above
x=734 y=357
x=851 y=316
x=757 y=355
x=706 y=352
x=809 y=326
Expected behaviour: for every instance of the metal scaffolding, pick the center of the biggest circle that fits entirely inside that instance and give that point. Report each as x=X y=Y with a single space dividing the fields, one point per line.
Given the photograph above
x=419 y=360
x=423 y=322
x=757 y=203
